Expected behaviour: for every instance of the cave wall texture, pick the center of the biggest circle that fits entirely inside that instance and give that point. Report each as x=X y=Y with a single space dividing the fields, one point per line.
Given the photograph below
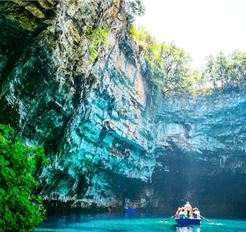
x=107 y=132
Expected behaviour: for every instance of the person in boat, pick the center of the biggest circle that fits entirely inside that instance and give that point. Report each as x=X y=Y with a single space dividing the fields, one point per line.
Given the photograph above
x=177 y=213
x=196 y=213
x=188 y=209
x=182 y=214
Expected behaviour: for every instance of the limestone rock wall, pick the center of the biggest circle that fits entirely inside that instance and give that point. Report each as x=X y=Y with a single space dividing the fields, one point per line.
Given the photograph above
x=201 y=147
x=83 y=99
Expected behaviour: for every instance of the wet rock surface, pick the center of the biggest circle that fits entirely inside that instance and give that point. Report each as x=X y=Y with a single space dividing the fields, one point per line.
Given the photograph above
x=107 y=133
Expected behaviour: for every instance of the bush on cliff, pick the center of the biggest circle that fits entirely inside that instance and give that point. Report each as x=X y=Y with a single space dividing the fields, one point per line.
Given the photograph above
x=134 y=8
x=226 y=71
x=167 y=66
x=20 y=209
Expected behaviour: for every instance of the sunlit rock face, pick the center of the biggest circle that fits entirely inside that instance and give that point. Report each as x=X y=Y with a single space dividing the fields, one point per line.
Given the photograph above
x=87 y=111
x=107 y=132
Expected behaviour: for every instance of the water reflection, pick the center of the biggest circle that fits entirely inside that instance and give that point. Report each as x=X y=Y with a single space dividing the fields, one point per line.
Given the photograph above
x=188 y=229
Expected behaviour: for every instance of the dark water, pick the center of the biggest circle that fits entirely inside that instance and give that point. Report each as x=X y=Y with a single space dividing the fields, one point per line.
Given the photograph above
x=109 y=223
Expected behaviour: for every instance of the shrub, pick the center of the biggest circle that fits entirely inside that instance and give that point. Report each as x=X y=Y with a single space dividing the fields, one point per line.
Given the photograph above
x=20 y=209
x=96 y=37
x=226 y=71
x=167 y=65
x=134 y=8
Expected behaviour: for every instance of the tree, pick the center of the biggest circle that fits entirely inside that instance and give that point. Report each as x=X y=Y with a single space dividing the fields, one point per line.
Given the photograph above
x=167 y=65
x=20 y=208
x=174 y=65
x=195 y=84
x=134 y=8
x=226 y=71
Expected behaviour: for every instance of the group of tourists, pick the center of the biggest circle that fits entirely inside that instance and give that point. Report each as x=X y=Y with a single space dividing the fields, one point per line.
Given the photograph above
x=187 y=212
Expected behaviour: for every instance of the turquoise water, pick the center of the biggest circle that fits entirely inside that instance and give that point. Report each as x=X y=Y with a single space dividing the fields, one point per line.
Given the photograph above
x=124 y=224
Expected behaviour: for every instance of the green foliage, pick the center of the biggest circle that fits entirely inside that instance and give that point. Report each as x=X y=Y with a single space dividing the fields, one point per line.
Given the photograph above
x=20 y=209
x=134 y=8
x=96 y=37
x=168 y=68
x=167 y=65
x=195 y=84
x=133 y=30
x=226 y=71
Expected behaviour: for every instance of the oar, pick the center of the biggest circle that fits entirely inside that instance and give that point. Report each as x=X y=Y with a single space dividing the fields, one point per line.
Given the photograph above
x=168 y=218
x=207 y=219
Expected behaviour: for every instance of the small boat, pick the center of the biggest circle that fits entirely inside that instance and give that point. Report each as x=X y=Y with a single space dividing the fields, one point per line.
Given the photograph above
x=130 y=211
x=186 y=216
x=187 y=221
x=130 y=207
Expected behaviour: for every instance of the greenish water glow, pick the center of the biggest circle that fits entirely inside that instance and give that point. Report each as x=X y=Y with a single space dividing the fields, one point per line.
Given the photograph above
x=120 y=224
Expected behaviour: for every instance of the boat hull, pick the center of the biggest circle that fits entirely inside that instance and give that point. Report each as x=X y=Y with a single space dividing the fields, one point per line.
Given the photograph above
x=187 y=222
x=130 y=211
